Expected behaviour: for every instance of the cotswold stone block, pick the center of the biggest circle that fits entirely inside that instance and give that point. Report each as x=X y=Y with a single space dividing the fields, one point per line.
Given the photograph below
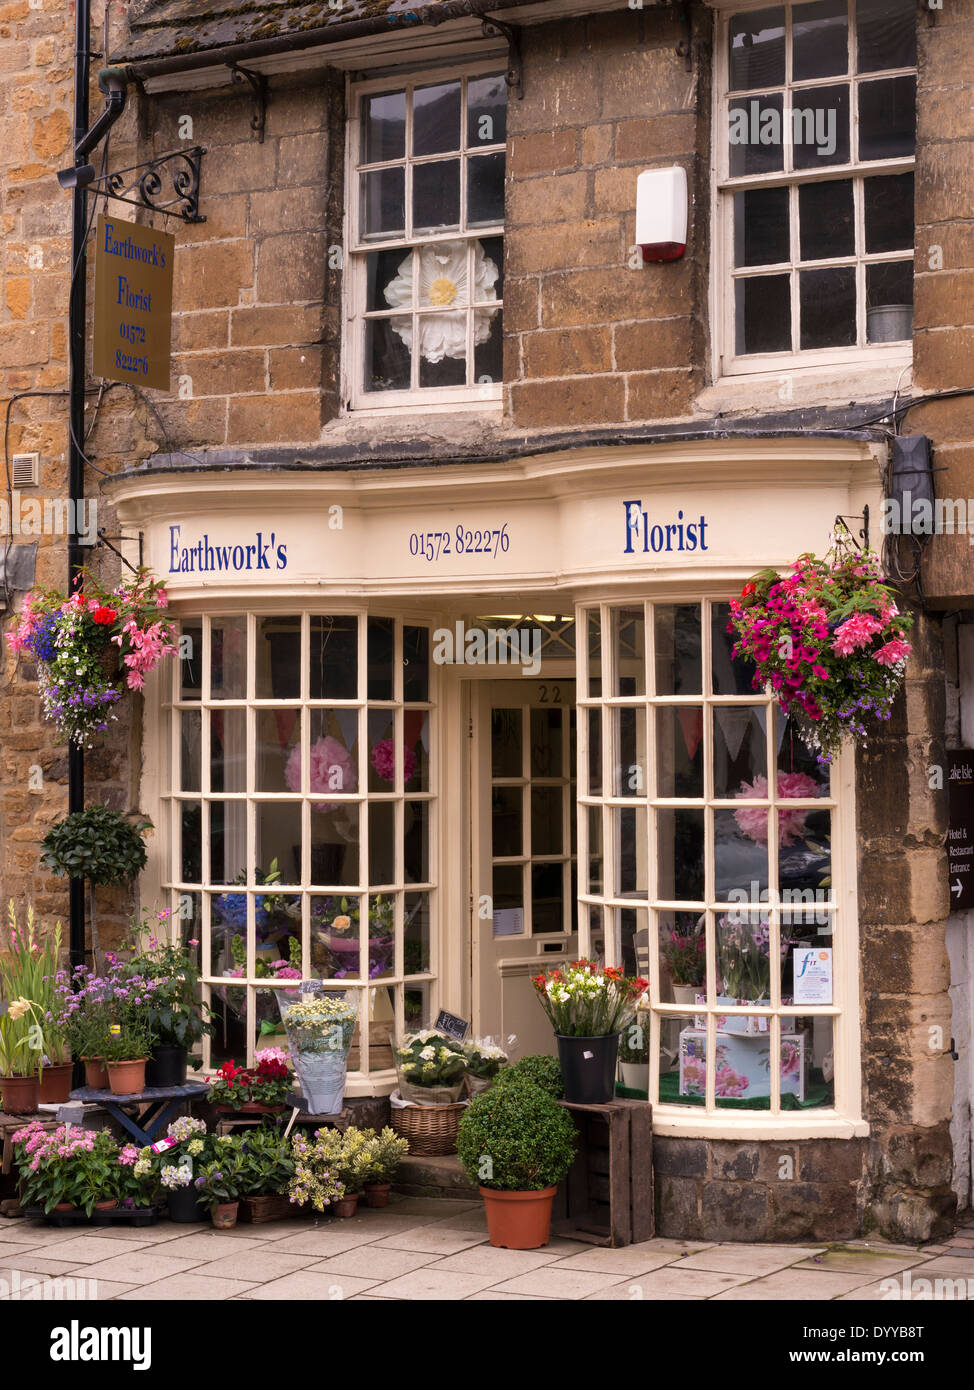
x=288 y=417
x=682 y=1158
x=582 y=400
x=735 y=1211
x=211 y=276
x=574 y=352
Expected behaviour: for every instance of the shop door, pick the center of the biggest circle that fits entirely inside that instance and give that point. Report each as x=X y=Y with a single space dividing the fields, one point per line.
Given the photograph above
x=523 y=894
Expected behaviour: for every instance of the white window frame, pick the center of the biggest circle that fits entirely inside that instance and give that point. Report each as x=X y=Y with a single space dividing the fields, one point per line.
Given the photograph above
x=415 y=400
x=726 y=362
x=175 y=889
x=844 y=1118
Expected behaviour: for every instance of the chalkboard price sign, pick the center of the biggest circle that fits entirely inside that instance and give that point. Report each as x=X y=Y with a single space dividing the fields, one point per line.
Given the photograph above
x=451 y=1025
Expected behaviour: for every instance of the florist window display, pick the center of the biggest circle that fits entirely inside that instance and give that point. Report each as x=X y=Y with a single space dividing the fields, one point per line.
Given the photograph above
x=588 y=1006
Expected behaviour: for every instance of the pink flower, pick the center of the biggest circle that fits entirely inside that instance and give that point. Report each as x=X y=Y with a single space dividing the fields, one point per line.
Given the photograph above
x=894 y=651
x=331 y=770
x=384 y=761
x=753 y=821
x=855 y=632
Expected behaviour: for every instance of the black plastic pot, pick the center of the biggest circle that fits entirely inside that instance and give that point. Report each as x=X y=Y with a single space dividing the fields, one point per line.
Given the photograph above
x=184 y=1206
x=588 y=1067
x=166 y=1066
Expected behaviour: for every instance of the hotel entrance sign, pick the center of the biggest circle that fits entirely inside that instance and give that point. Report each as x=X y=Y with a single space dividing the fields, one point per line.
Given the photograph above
x=960 y=833
x=133 y=303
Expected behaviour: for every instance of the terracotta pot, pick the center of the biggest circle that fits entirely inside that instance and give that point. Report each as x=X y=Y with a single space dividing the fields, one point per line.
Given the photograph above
x=518 y=1220
x=56 y=1082
x=20 y=1094
x=224 y=1217
x=65 y=1206
x=127 y=1078
x=251 y=1107
x=108 y=1204
x=377 y=1194
x=345 y=1206
x=96 y=1073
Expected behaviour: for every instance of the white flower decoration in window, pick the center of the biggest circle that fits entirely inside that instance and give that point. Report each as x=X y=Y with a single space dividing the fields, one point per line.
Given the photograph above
x=444 y=284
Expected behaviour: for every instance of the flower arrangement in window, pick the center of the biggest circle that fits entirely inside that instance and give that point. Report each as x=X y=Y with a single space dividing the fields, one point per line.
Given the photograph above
x=444 y=283
x=684 y=956
x=336 y=926
x=744 y=957
x=331 y=769
x=829 y=640
x=73 y=639
x=753 y=821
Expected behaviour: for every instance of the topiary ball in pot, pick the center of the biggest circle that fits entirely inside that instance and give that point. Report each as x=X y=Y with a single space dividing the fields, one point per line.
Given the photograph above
x=540 y=1068
x=517 y=1143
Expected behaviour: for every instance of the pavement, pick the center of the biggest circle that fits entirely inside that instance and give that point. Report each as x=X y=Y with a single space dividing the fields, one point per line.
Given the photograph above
x=436 y=1248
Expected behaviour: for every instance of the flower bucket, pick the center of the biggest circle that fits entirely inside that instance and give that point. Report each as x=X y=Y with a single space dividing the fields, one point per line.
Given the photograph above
x=184 y=1206
x=21 y=1094
x=687 y=994
x=518 y=1220
x=96 y=1074
x=588 y=1066
x=635 y=1075
x=56 y=1083
x=166 y=1066
x=127 y=1078
x=224 y=1216
x=431 y=1095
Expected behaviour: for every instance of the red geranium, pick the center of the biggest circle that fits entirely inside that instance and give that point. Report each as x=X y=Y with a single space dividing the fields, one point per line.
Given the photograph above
x=104 y=616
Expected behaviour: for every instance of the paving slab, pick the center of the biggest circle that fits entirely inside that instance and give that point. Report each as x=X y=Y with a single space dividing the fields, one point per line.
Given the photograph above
x=304 y=1286
x=871 y=1264
x=210 y=1246
x=432 y=1283
x=86 y=1249
x=268 y=1264
x=627 y=1260
x=139 y=1267
x=372 y=1261
x=500 y=1262
x=549 y=1282
x=434 y=1240
x=322 y=1244
x=674 y=1281
x=632 y=1293
x=752 y=1260
x=795 y=1285
x=38 y=1264
x=188 y=1288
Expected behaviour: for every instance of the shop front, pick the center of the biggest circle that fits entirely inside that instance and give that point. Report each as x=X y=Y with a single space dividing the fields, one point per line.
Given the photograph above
x=435 y=729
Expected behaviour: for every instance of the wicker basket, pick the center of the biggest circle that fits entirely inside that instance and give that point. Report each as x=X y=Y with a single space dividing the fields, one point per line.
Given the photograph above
x=430 y=1129
x=270 y=1206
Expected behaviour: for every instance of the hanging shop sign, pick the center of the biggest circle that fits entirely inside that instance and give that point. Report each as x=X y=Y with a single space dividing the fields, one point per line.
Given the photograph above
x=960 y=833
x=133 y=303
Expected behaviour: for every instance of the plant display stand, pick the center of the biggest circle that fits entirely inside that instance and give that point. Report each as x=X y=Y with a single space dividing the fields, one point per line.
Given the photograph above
x=154 y=1107
x=607 y=1198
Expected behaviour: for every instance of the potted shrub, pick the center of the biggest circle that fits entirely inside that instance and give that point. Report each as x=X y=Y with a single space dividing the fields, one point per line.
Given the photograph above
x=83 y=1014
x=99 y=845
x=588 y=1006
x=517 y=1143
x=265 y=1175
x=541 y=1068
x=634 y=1056
x=316 y=1182
x=131 y=1034
x=388 y=1150
x=178 y=1017
x=484 y=1061
x=218 y=1185
x=348 y=1157
x=67 y=1169
x=261 y=1090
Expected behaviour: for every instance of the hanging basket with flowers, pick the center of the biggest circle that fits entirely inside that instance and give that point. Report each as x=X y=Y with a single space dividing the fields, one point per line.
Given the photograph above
x=84 y=643
x=830 y=642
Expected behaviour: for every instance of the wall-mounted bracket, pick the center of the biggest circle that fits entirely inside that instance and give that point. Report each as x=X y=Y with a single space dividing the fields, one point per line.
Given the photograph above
x=841 y=525
x=684 y=48
x=107 y=540
x=182 y=167
x=514 y=77
x=258 y=86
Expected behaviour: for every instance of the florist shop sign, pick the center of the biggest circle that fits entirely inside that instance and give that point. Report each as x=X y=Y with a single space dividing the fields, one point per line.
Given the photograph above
x=133 y=303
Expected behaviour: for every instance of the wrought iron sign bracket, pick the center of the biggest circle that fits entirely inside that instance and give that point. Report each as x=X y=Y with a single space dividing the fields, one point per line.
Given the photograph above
x=182 y=168
x=107 y=540
x=684 y=49
x=514 y=77
x=258 y=86
x=863 y=532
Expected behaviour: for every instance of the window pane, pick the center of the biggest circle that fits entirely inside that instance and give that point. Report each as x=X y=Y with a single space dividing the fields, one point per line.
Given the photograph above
x=889 y=213
x=887 y=118
x=278 y=750
x=757 y=49
x=740 y=751
x=228 y=750
x=416 y=661
x=334 y=658
x=191 y=724
x=755 y=135
x=335 y=846
x=417 y=934
x=594 y=752
x=682 y=952
x=632 y=850
x=485 y=189
x=335 y=936
x=228 y=841
x=278 y=837
x=593 y=626
x=486 y=110
x=795 y=759
x=190 y=660
x=741 y=853
x=507 y=882
x=679 y=751
x=820 y=126
x=436 y=195
x=382 y=842
x=547 y=815
x=278 y=659
x=228 y=658
x=505 y=743
x=334 y=758
x=677 y=640
x=383 y=127
x=680 y=854
x=828 y=307
x=383 y=202
x=547 y=898
x=416 y=846
x=762 y=307
x=629 y=739
x=380 y=644
x=889 y=302
x=488 y=269
x=443 y=349
x=191 y=840
x=761 y=233
x=826 y=218
x=387 y=362
x=820 y=39
x=546 y=743
x=886 y=34
x=596 y=881
x=804 y=850
x=387 y=275
x=730 y=675
x=436 y=118
x=383 y=752
x=629 y=650
x=506 y=822
x=488 y=358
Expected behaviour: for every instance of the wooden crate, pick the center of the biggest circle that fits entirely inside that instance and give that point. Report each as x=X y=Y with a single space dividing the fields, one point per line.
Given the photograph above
x=607 y=1197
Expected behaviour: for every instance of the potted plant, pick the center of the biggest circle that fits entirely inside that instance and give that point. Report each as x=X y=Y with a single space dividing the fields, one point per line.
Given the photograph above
x=263 y=1089
x=82 y=1012
x=830 y=642
x=172 y=1165
x=266 y=1171
x=316 y=1182
x=85 y=641
x=319 y=1032
x=431 y=1068
x=588 y=1006
x=99 y=845
x=684 y=956
x=21 y=1051
x=484 y=1061
x=29 y=971
x=540 y=1068
x=131 y=1032
x=634 y=1056
x=388 y=1150
x=66 y=1169
x=218 y=1186
x=336 y=926
x=517 y=1143
x=178 y=1017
